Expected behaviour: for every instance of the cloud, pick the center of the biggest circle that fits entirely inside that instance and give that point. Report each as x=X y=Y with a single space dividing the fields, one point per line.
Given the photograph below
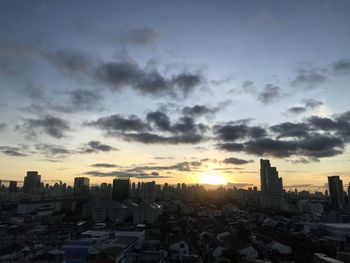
x=104 y=165
x=115 y=124
x=341 y=67
x=316 y=137
x=233 y=132
x=82 y=99
x=236 y=161
x=125 y=174
x=118 y=75
x=200 y=110
x=269 y=94
x=50 y=125
x=52 y=151
x=309 y=78
x=12 y=151
x=312 y=103
x=160 y=120
x=69 y=61
x=156 y=129
x=296 y=110
x=2 y=126
x=141 y=36
x=95 y=147
x=288 y=129
x=308 y=104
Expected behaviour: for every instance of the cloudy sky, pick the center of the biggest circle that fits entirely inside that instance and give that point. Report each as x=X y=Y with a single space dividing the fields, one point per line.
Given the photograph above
x=175 y=91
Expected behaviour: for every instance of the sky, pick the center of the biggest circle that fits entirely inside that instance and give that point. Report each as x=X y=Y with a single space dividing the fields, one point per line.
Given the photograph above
x=175 y=91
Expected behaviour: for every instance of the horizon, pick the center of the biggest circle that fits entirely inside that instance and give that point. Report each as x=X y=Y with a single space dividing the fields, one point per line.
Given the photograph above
x=175 y=92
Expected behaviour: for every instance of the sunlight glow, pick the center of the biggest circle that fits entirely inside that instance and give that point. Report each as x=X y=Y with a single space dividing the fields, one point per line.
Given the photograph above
x=215 y=179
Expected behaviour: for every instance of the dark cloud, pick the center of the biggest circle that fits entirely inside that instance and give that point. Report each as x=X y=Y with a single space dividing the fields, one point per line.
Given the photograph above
x=141 y=36
x=341 y=67
x=95 y=147
x=52 y=151
x=316 y=137
x=70 y=61
x=125 y=174
x=104 y=165
x=312 y=103
x=50 y=125
x=12 y=151
x=232 y=132
x=296 y=110
x=115 y=124
x=308 y=104
x=309 y=78
x=157 y=129
x=82 y=99
x=269 y=94
x=151 y=138
x=288 y=129
x=2 y=126
x=236 y=161
x=118 y=75
x=160 y=120
x=200 y=110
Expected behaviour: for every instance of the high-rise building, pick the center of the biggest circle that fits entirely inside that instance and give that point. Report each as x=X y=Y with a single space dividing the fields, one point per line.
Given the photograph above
x=81 y=185
x=31 y=181
x=271 y=186
x=336 y=191
x=121 y=187
x=13 y=186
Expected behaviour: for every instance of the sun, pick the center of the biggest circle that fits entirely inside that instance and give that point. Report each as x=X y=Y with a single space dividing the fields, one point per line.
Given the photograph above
x=209 y=178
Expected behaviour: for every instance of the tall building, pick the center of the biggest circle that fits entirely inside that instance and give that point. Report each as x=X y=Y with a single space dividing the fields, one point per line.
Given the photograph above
x=336 y=191
x=271 y=186
x=81 y=185
x=31 y=181
x=13 y=186
x=121 y=188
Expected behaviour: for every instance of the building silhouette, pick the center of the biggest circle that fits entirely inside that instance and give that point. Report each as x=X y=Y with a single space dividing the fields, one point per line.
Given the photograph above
x=121 y=189
x=31 y=182
x=336 y=191
x=271 y=186
x=13 y=186
x=81 y=185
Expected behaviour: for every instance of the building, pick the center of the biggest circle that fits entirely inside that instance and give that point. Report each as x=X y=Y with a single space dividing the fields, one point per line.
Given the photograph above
x=31 y=182
x=271 y=186
x=81 y=185
x=120 y=190
x=101 y=211
x=146 y=212
x=336 y=191
x=13 y=186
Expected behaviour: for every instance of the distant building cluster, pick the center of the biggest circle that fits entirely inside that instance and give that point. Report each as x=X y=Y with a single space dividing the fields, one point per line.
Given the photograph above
x=125 y=221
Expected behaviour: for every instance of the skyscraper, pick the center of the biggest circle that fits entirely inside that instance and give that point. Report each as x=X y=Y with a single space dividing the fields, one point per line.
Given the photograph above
x=120 y=190
x=13 y=186
x=31 y=181
x=336 y=191
x=271 y=186
x=81 y=185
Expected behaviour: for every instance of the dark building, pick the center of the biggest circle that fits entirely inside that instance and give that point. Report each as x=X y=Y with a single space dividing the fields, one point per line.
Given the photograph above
x=31 y=181
x=271 y=186
x=13 y=186
x=81 y=185
x=336 y=191
x=120 y=190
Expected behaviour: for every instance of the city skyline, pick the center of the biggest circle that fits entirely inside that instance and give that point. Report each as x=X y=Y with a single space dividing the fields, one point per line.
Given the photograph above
x=190 y=92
